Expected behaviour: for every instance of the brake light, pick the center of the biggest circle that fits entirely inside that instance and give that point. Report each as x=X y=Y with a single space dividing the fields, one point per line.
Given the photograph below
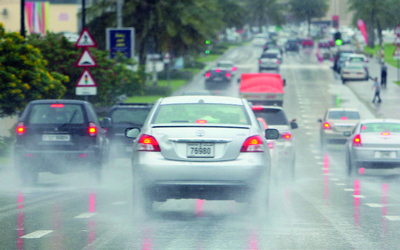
x=363 y=127
x=257 y=108
x=385 y=133
x=234 y=68
x=344 y=118
x=259 y=61
x=286 y=136
x=326 y=125
x=277 y=61
x=228 y=74
x=201 y=121
x=57 y=105
x=148 y=143
x=217 y=70
x=271 y=145
x=208 y=74
x=253 y=144
x=20 y=128
x=357 y=141
x=92 y=129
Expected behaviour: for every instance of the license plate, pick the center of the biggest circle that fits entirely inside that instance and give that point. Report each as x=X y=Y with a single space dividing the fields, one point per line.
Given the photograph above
x=385 y=154
x=56 y=137
x=217 y=79
x=200 y=150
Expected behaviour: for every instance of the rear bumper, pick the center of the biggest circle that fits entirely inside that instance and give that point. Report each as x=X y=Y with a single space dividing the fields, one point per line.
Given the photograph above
x=366 y=155
x=333 y=135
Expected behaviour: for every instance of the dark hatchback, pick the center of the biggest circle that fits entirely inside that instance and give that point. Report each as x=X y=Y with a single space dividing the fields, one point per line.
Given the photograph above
x=292 y=45
x=125 y=115
x=59 y=136
x=217 y=77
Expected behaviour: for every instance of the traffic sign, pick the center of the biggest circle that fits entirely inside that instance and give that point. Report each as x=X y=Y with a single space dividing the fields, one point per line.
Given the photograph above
x=86 y=60
x=397 y=30
x=86 y=80
x=167 y=58
x=396 y=54
x=85 y=40
x=86 y=90
x=396 y=41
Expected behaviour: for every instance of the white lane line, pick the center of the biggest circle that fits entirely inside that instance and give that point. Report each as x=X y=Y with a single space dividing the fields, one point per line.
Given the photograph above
x=333 y=179
x=373 y=205
x=320 y=163
x=348 y=189
x=359 y=196
x=84 y=215
x=317 y=157
x=392 y=217
x=316 y=151
x=36 y=234
x=118 y=203
x=309 y=133
x=341 y=184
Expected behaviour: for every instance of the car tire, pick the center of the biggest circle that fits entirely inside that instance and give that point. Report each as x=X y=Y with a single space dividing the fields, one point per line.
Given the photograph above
x=323 y=143
x=352 y=167
x=343 y=81
x=259 y=70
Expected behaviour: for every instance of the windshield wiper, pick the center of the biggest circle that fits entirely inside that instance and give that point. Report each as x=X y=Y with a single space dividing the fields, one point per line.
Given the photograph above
x=70 y=120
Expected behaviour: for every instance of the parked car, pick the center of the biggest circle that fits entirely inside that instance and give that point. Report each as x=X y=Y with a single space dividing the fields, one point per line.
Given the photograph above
x=124 y=115
x=307 y=42
x=353 y=72
x=60 y=136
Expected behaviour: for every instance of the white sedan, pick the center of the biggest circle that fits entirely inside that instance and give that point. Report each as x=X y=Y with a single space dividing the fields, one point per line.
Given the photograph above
x=353 y=73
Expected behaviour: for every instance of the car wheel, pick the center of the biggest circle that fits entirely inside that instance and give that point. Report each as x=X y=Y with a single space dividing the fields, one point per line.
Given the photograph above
x=343 y=81
x=259 y=70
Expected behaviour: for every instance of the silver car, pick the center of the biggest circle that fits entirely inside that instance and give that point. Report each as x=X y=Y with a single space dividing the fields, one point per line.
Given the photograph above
x=269 y=61
x=373 y=143
x=203 y=147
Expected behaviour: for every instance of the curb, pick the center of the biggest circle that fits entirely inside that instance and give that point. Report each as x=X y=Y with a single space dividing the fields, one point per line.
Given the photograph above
x=367 y=104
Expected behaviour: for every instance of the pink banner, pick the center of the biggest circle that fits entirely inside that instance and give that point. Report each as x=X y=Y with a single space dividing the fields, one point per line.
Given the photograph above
x=363 y=29
x=28 y=10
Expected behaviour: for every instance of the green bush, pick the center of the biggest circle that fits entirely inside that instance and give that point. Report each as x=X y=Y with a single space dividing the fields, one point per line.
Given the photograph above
x=157 y=90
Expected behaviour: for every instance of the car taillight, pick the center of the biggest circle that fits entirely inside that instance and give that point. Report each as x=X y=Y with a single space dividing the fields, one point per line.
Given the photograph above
x=148 y=143
x=271 y=145
x=57 y=105
x=286 y=136
x=259 y=61
x=385 y=133
x=217 y=70
x=257 y=108
x=92 y=129
x=20 y=128
x=228 y=74
x=253 y=144
x=208 y=74
x=234 y=68
x=326 y=125
x=277 y=61
x=357 y=141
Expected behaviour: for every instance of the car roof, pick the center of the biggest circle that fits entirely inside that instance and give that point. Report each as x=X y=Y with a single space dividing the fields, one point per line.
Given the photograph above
x=342 y=109
x=202 y=99
x=271 y=51
x=357 y=55
x=58 y=101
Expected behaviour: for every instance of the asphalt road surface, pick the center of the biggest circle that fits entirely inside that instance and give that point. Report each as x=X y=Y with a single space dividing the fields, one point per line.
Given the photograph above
x=322 y=209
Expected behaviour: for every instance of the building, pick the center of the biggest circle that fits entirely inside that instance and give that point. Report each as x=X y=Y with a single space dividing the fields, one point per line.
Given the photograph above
x=53 y=15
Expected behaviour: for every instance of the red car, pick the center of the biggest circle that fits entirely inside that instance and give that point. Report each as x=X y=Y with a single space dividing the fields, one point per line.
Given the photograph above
x=307 y=42
x=324 y=44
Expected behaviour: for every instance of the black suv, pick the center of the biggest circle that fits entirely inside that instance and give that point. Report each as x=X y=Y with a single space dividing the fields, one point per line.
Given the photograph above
x=125 y=115
x=217 y=77
x=59 y=136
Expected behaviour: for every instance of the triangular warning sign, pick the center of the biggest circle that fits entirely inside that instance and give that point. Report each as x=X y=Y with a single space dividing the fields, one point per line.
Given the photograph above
x=397 y=41
x=86 y=60
x=86 y=80
x=85 y=39
x=396 y=51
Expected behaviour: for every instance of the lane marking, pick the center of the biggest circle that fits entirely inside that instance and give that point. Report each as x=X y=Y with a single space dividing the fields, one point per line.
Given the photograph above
x=373 y=205
x=392 y=217
x=309 y=133
x=84 y=215
x=321 y=163
x=349 y=190
x=315 y=151
x=36 y=234
x=359 y=196
x=117 y=203
x=340 y=184
x=333 y=179
x=317 y=157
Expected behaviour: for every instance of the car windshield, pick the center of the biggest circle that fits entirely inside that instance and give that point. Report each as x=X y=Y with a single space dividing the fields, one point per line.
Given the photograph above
x=272 y=116
x=130 y=115
x=269 y=55
x=56 y=114
x=201 y=114
x=380 y=127
x=344 y=115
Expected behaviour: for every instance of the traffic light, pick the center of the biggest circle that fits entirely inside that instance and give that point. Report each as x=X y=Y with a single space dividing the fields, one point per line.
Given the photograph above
x=338 y=38
x=207 y=51
x=208 y=42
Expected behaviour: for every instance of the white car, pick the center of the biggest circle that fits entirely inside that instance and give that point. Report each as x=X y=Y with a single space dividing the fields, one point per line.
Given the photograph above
x=353 y=72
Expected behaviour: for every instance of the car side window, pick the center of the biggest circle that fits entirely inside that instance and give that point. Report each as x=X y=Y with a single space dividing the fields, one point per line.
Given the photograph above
x=93 y=113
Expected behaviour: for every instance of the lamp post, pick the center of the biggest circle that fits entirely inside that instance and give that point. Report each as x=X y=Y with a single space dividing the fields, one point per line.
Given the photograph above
x=22 y=31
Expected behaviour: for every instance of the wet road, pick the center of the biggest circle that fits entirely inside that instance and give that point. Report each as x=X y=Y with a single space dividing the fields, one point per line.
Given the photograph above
x=322 y=209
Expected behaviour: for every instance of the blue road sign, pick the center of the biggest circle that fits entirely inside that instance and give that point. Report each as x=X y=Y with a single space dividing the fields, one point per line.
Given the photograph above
x=120 y=40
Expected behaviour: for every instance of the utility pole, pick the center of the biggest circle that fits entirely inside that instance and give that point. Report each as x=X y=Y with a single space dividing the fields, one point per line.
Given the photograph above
x=119 y=13
x=83 y=14
x=22 y=32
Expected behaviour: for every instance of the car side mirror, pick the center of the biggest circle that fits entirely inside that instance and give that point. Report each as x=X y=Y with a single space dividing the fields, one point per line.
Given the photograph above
x=294 y=125
x=271 y=134
x=347 y=133
x=106 y=122
x=132 y=132
x=238 y=80
x=319 y=120
x=284 y=82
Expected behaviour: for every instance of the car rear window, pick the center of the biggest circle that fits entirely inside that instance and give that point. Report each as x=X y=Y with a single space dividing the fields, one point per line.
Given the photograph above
x=225 y=65
x=129 y=115
x=380 y=127
x=272 y=116
x=269 y=55
x=356 y=59
x=56 y=114
x=344 y=115
x=201 y=113
x=218 y=72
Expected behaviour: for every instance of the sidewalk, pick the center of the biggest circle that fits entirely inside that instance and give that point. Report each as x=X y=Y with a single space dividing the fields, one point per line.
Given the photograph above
x=390 y=106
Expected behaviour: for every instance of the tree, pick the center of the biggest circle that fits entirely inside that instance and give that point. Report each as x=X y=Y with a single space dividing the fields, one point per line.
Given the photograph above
x=308 y=9
x=23 y=75
x=266 y=12
x=112 y=77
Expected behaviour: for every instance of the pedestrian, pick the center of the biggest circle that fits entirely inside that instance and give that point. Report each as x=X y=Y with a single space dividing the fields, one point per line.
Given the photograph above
x=377 y=87
x=383 y=75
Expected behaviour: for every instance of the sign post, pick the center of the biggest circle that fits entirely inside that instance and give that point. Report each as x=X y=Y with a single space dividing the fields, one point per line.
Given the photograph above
x=167 y=62
x=120 y=40
x=396 y=53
